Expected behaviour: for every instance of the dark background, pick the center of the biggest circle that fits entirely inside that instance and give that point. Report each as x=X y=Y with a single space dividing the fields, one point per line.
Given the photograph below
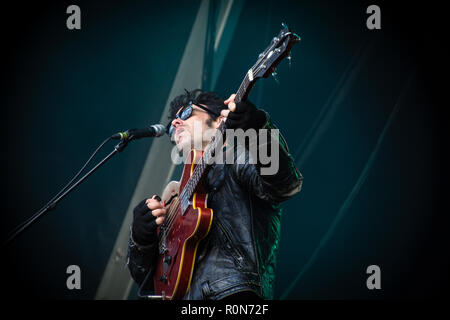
x=64 y=92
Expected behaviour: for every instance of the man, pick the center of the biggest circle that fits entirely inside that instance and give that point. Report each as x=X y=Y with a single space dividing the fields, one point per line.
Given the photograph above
x=237 y=258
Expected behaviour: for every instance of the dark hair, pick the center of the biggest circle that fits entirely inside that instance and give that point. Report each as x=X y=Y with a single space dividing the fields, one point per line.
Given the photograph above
x=211 y=99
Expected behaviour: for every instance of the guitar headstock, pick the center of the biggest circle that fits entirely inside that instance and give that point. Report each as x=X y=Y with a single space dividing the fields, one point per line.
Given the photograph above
x=278 y=49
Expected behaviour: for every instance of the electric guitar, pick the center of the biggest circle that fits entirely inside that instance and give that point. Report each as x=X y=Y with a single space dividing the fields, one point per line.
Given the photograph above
x=188 y=218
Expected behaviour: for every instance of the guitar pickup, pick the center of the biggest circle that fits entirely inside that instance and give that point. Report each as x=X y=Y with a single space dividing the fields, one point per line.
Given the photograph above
x=167 y=259
x=163 y=279
x=166 y=262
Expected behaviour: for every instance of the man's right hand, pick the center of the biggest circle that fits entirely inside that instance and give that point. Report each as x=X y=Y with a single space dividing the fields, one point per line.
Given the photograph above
x=147 y=215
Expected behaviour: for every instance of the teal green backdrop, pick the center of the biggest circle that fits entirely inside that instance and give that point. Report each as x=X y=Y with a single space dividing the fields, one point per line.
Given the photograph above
x=356 y=107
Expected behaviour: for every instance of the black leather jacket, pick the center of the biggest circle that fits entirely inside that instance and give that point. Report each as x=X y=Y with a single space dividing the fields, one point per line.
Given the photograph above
x=239 y=253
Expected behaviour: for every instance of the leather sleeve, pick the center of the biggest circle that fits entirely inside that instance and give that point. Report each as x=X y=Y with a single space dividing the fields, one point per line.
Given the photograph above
x=276 y=187
x=141 y=263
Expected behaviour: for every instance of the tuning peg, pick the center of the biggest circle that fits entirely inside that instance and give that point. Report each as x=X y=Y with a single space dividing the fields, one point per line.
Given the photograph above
x=274 y=75
x=284 y=25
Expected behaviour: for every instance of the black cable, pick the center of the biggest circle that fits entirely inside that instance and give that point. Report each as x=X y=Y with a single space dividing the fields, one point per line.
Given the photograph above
x=48 y=206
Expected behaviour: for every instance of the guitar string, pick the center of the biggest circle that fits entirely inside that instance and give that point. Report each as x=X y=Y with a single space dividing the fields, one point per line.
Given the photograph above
x=173 y=209
x=174 y=206
x=197 y=175
x=171 y=215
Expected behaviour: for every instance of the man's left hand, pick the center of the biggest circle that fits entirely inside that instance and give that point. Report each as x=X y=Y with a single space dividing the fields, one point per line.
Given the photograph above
x=243 y=115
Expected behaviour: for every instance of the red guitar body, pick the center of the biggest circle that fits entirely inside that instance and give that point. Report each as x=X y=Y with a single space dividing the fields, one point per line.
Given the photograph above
x=175 y=267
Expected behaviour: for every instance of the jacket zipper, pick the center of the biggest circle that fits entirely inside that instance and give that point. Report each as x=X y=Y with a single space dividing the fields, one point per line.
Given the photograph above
x=227 y=235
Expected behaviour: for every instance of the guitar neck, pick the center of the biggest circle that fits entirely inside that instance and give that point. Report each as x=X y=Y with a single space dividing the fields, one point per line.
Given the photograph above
x=245 y=88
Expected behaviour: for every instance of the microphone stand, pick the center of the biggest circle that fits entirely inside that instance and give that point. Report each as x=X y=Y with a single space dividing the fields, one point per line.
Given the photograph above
x=50 y=206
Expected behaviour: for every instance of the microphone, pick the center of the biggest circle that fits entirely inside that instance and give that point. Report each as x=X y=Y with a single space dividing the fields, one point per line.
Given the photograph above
x=156 y=130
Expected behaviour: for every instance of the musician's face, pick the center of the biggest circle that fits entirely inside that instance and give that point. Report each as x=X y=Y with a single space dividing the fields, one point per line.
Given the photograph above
x=194 y=132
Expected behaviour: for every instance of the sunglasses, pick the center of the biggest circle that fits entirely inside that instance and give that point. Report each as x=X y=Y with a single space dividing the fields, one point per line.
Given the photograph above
x=186 y=113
